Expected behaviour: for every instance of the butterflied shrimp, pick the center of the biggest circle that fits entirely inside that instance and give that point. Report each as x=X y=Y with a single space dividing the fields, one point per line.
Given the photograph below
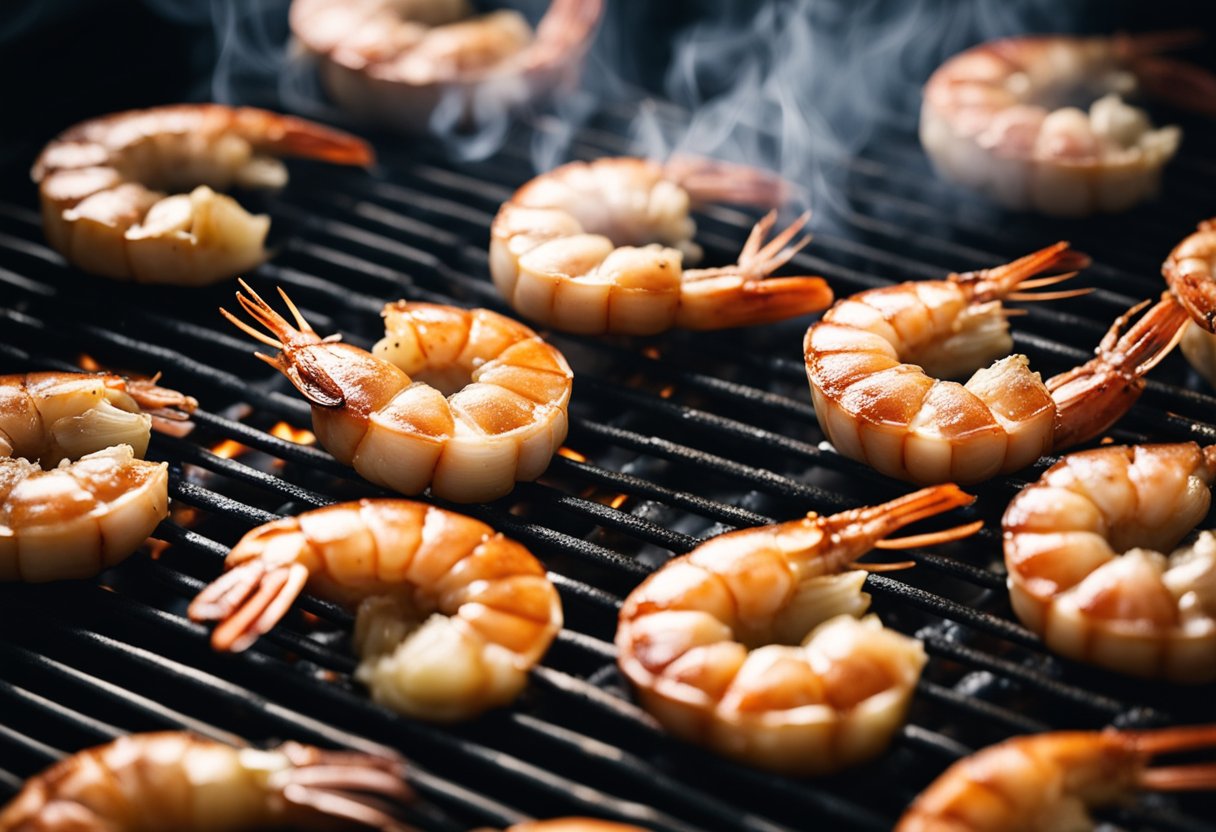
x=451 y=615
x=754 y=644
x=130 y=195
x=1083 y=548
x=434 y=64
x=178 y=782
x=997 y=118
x=389 y=414
x=1052 y=781
x=599 y=247
x=1190 y=271
x=61 y=519
x=876 y=363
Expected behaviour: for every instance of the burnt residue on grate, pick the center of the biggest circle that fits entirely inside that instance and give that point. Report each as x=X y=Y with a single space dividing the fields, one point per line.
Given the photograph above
x=672 y=439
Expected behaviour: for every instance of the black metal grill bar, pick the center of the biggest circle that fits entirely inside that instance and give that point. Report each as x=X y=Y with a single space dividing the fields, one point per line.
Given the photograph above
x=619 y=709
x=295 y=723
x=936 y=645
x=269 y=668
x=346 y=227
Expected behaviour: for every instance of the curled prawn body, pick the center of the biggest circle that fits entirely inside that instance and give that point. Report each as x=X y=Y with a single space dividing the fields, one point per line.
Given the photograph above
x=1140 y=612
x=1052 y=781
x=75 y=498
x=754 y=644
x=130 y=195
x=599 y=247
x=179 y=782
x=875 y=362
x=1190 y=271
x=995 y=118
x=402 y=63
x=451 y=614
x=466 y=401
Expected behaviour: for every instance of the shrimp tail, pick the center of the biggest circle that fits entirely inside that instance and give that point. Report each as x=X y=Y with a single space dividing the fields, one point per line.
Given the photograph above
x=341 y=785
x=864 y=528
x=169 y=409
x=1058 y=261
x=712 y=180
x=1194 y=289
x=1090 y=398
x=1184 y=85
x=1171 y=740
x=294 y=359
x=248 y=600
x=297 y=137
x=744 y=294
x=566 y=26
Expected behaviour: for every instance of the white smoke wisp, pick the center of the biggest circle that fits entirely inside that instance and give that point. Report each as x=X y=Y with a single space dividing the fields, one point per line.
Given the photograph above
x=797 y=87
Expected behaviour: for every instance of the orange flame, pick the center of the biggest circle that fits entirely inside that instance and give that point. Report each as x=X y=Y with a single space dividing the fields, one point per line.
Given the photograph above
x=618 y=501
x=229 y=448
x=570 y=453
x=292 y=434
x=666 y=392
x=87 y=363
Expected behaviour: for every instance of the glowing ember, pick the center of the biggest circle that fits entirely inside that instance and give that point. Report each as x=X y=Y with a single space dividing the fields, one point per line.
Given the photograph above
x=229 y=448
x=87 y=363
x=652 y=352
x=156 y=547
x=618 y=501
x=667 y=391
x=292 y=434
x=570 y=453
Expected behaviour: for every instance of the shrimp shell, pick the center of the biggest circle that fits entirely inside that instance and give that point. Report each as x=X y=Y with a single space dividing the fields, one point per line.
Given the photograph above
x=61 y=519
x=179 y=782
x=572 y=825
x=598 y=247
x=1141 y=612
x=992 y=119
x=1190 y=271
x=706 y=640
x=451 y=614
x=376 y=411
x=1051 y=781
x=874 y=361
x=434 y=64
x=102 y=184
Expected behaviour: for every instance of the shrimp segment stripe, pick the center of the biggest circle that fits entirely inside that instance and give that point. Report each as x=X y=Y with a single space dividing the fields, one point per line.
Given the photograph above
x=450 y=614
x=1141 y=612
x=107 y=188
x=380 y=412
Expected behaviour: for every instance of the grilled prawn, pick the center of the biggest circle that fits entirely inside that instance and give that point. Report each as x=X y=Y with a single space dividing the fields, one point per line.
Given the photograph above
x=1052 y=781
x=993 y=119
x=179 y=782
x=451 y=614
x=434 y=64
x=1140 y=612
x=112 y=188
x=753 y=642
x=1190 y=271
x=62 y=519
x=387 y=413
x=599 y=247
x=876 y=359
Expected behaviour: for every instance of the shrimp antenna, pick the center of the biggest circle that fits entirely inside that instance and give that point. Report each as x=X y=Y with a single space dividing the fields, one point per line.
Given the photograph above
x=931 y=538
x=250 y=331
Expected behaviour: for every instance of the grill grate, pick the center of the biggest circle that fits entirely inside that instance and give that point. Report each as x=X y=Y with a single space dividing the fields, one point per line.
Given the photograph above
x=677 y=438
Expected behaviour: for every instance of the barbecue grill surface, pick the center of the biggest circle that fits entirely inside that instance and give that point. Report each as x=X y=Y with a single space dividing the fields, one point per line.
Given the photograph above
x=672 y=439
